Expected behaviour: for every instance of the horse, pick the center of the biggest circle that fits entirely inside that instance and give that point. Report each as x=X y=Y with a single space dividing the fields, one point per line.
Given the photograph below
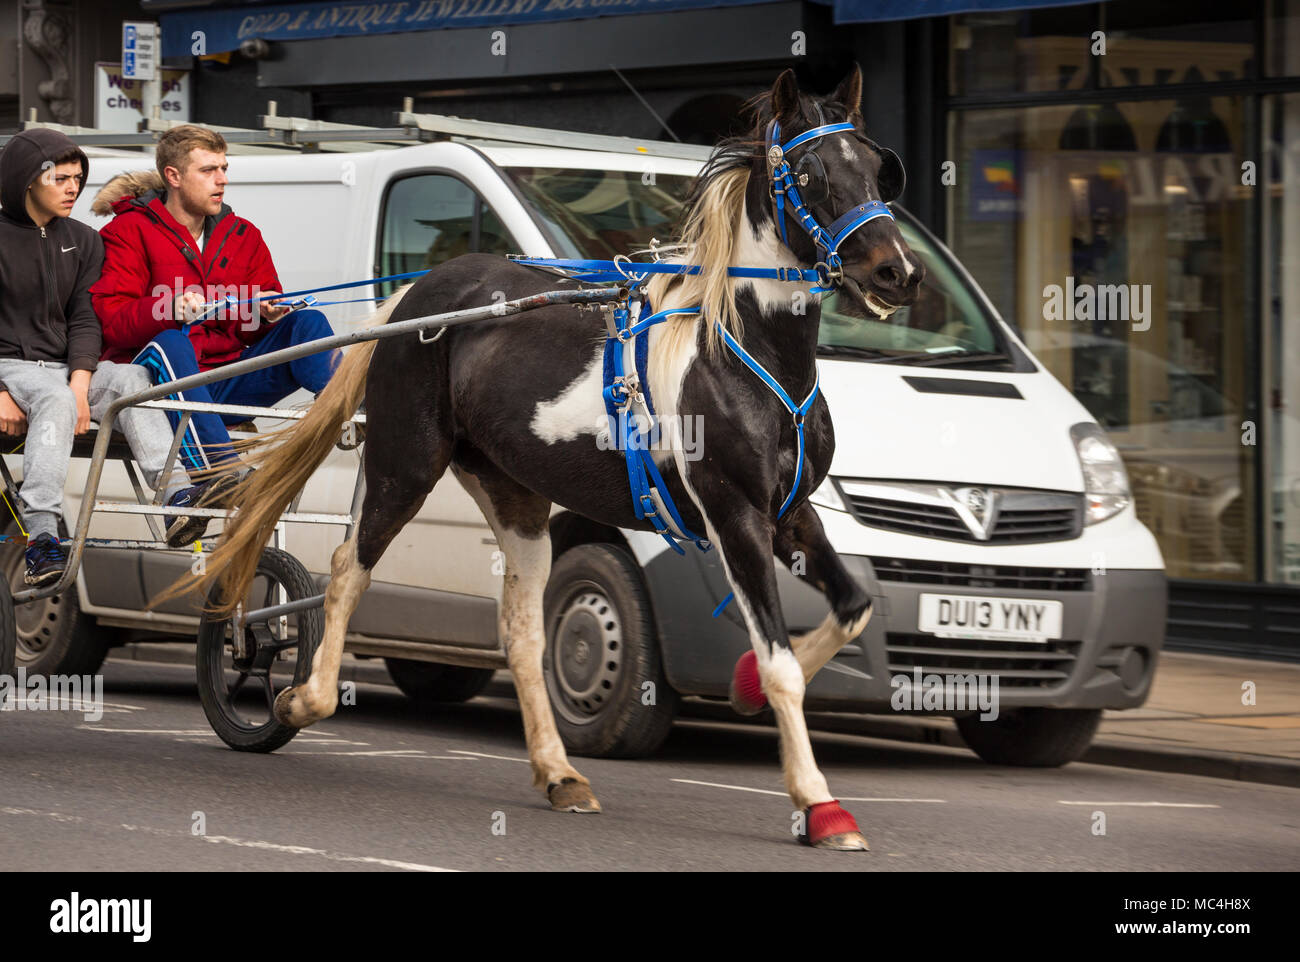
x=512 y=407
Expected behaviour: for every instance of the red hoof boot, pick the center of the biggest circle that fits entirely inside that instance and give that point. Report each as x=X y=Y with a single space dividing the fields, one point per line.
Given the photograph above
x=747 y=696
x=828 y=826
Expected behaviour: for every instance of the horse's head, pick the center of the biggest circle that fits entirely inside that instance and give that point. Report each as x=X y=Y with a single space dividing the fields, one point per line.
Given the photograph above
x=830 y=184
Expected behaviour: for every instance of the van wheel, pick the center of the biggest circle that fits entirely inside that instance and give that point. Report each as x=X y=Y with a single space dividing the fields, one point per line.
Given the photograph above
x=8 y=636
x=1032 y=737
x=429 y=683
x=52 y=636
x=602 y=665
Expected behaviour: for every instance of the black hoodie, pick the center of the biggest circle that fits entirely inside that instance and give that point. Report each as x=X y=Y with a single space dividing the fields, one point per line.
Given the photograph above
x=45 y=273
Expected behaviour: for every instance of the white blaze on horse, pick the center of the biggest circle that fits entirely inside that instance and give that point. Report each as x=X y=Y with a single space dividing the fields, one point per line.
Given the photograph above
x=512 y=405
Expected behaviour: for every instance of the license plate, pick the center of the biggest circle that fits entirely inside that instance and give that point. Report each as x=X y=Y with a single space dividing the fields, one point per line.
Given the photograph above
x=995 y=619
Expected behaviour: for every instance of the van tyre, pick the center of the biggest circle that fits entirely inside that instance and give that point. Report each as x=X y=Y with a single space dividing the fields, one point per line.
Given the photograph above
x=1032 y=737
x=8 y=634
x=51 y=636
x=603 y=670
x=433 y=684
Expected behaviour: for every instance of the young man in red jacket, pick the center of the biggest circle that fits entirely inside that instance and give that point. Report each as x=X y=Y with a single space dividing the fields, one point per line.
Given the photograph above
x=173 y=247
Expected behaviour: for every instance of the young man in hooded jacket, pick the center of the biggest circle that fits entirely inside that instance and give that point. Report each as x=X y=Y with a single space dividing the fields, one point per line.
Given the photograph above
x=52 y=382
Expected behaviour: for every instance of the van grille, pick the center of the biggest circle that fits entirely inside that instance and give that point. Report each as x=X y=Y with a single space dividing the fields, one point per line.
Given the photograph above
x=1022 y=517
x=1011 y=577
x=1017 y=664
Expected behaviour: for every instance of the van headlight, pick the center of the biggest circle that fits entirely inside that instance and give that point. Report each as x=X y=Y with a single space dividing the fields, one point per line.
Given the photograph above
x=1105 y=482
x=827 y=496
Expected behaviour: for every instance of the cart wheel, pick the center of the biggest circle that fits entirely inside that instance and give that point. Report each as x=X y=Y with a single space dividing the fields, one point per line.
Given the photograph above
x=239 y=695
x=8 y=632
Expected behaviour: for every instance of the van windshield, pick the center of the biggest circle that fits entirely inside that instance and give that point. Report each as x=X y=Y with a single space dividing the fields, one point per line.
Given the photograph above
x=599 y=214
x=948 y=325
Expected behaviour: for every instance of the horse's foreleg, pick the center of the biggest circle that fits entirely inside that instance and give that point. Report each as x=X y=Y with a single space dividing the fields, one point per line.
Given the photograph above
x=802 y=545
x=519 y=519
x=745 y=544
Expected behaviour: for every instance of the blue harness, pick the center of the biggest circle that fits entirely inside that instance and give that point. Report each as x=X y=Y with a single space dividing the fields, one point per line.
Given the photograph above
x=628 y=402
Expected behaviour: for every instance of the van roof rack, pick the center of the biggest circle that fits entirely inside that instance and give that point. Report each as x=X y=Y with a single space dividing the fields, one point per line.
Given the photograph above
x=305 y=134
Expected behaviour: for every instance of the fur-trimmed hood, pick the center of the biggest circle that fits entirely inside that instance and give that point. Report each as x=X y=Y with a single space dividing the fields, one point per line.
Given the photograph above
x=127 y=186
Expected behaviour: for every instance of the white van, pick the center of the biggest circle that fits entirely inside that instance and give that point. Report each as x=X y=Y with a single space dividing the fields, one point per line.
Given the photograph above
x=987 y=513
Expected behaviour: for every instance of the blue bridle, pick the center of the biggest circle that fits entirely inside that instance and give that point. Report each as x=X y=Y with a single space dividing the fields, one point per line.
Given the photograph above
x=785 y=188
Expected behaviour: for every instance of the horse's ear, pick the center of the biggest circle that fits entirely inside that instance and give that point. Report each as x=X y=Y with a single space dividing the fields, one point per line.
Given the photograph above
x=849 y=92
x=785 y=94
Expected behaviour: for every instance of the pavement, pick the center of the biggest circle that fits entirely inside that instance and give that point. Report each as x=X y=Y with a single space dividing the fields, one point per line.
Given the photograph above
x=1233 y=718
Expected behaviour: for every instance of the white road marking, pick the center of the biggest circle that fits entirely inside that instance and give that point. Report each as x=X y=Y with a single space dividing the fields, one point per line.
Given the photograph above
x=768 y=791
x=401 y=753
x=292 y=849
x=56 y=816
x=148 y=731
x=504 y=758
x=1145 y=804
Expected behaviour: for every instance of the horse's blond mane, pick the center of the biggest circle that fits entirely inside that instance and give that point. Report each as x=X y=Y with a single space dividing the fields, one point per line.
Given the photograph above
x=708 y=237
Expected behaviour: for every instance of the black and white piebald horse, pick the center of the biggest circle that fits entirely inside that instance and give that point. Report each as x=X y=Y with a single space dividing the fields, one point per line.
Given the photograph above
x=512 y=405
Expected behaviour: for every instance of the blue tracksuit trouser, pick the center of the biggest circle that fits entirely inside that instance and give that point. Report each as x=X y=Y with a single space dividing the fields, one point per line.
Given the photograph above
x=170 y=356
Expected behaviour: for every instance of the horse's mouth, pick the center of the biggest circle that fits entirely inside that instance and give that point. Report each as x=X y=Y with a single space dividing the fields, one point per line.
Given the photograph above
x=869 y=300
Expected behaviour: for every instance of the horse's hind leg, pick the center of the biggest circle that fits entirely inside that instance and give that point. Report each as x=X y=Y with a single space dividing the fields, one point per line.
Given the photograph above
x=801 y=543
x=396 y=485
x=745 y=543
x=519 y=519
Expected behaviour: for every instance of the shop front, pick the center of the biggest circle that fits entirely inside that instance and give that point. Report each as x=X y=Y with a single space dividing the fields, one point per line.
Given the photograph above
x=1126 y=191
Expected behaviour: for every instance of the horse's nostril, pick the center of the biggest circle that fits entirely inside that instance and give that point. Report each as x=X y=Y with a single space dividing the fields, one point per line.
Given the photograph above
x=889 y=275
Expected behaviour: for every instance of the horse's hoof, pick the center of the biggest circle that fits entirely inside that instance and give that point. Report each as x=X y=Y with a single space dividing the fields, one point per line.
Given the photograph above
x=284 y=706
x=571 y=795
x=827 y=826
x=747 y=696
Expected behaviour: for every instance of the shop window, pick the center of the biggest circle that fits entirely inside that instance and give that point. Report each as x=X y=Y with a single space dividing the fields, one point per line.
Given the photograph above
x=1207 y=41
x=1283 y=46
x=1280 y=431
x=1006 y=51
x=1118 y=237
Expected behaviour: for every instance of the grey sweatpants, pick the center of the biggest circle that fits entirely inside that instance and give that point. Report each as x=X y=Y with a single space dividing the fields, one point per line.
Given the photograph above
x=41 y=390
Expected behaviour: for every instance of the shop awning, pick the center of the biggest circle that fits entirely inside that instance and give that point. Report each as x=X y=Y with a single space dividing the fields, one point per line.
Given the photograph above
x=224 y=28
x=869 y=11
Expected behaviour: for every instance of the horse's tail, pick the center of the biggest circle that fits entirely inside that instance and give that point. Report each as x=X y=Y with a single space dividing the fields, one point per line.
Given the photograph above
x=284 y=460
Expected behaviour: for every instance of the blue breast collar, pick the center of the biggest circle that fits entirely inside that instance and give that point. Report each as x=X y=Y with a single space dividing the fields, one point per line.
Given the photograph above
x=632 y=421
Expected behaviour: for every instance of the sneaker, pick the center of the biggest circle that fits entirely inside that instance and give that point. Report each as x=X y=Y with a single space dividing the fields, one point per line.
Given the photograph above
x=185 y=529
x=46 y=561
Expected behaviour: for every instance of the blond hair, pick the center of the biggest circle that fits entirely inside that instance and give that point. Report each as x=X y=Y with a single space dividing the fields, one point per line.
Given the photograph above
x=709 y=240
x=174 y=147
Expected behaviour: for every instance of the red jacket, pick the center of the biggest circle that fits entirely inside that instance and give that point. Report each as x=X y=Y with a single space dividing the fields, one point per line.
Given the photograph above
x=149 y=259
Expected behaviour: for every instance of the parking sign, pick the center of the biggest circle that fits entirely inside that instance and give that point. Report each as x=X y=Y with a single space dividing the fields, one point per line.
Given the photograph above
x=139 y=50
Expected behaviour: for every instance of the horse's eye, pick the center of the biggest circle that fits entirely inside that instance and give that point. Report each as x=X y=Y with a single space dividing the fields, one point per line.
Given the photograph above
x=810 y=175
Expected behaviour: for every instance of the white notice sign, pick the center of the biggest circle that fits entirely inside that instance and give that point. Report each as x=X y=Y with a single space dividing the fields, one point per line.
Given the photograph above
x=119 y=103
x=139 y=50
